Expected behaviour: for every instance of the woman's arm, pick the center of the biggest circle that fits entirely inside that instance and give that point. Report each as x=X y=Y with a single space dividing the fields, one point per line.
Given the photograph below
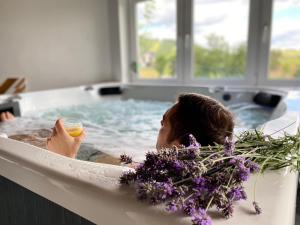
x=62 y=143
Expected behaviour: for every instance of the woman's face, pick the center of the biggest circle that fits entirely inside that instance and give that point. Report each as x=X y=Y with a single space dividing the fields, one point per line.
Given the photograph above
x=165 y=130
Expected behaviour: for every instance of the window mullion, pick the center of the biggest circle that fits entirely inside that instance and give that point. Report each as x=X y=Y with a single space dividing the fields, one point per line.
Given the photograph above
x=253 y=43
x=180 y=42
x=132 y=36
x=264 y=41
x=188 y=40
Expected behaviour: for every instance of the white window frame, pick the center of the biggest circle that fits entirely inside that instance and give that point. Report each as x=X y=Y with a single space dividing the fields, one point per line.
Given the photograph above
x=258 y=49
x=249 y=76
x=134 y=76
x=266 y=13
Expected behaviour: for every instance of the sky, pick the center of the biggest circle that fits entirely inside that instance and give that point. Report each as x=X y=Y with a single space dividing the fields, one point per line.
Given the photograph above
x=227 y=18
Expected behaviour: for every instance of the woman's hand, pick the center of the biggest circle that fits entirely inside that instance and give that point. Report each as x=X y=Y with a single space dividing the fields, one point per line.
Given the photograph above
x=62 y=143
x=6 y=116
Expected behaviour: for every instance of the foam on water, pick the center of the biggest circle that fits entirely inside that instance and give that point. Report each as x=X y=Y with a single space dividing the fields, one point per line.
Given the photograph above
x=116 y=127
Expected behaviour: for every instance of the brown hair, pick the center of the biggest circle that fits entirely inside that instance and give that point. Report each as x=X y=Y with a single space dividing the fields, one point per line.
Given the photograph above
x=203 y=117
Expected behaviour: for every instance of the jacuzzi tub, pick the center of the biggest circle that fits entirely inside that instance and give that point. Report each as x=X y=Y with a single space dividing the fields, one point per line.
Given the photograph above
x=91 y=190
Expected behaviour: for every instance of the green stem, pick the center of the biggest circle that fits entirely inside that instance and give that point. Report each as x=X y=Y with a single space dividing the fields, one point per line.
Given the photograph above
x=209 y=203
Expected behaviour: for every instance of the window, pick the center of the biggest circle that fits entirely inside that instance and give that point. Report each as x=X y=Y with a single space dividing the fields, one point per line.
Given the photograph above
x=156 y=39
x=284 y=62
x=215 y=42
x=220 y=38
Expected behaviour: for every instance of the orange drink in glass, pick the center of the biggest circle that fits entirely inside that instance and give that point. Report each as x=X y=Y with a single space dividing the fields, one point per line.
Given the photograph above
x=73 y=127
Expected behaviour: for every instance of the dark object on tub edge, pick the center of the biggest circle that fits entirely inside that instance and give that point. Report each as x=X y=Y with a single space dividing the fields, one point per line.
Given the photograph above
x=12 y=107
x=267 y=99
x=110 y=91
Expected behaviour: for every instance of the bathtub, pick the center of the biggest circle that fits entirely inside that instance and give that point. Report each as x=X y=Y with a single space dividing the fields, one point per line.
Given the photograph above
x=40 y=187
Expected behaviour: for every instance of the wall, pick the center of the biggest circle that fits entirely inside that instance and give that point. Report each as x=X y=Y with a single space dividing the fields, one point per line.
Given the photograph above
x=55 y=43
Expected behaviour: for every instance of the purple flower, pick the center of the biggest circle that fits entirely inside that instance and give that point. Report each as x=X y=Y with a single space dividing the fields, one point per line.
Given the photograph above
x=151 y=158
x=254 y=167
x=191 y=153
x=128 y=177
x=237 y=161
x=229 y=147
x=242 y=173
x=172 y=206
x=178 y=165
x=201 y=186
x=199 y=181
x=193 y=142
x=143 y=189
x=180 y=191
x=237 y=194
x=189 y=179
x=139 y=166
x=257 y=208
x=201 y=218
x=227 y=210
x=125 y=159
x=189 y=207
x=157 y=192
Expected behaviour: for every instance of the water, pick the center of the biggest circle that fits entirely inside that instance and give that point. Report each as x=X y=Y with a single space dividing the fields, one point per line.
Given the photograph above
x=249 y=116
x=117 y=127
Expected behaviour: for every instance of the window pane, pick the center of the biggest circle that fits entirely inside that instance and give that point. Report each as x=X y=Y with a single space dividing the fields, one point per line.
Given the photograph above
x=156 y=36
x=220 y=38
x=285 y=43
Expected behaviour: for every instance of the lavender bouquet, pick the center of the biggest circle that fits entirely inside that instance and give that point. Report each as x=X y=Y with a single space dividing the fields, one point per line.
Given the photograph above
x=195 y=178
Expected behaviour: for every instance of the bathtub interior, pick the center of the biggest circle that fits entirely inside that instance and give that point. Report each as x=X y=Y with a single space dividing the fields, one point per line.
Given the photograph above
x=227 y=96
x=106 y=141
x=127 y=117
x=92 y=190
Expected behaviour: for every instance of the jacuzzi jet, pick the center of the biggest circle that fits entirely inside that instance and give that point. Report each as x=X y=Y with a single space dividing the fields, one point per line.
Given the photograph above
x=226 y=97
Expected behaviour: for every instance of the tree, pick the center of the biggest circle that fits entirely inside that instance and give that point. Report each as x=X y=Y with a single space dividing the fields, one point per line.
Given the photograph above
x=218 y=59
x=237 y=61
x=150 y=7
x=297 y=73
x=165 y=58
x=275 y=59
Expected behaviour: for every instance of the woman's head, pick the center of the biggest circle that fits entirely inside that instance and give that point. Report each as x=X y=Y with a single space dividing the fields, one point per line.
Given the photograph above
x=203 y=117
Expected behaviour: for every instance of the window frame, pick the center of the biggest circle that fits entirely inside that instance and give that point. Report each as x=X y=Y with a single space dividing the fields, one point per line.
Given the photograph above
x=134 y=76
x=265 y=49
x=189 y=70
x=258 y=49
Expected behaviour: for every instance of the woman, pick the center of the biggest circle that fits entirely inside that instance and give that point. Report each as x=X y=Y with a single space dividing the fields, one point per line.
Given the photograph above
x=203 y=117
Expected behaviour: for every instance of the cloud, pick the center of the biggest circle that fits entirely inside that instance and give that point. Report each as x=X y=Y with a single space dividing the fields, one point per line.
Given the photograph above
x=280 y=5
x=164 y=12
x=286 y=25
x=231 y=21
x=216 y=1
x=289 y=40
x=210 y=21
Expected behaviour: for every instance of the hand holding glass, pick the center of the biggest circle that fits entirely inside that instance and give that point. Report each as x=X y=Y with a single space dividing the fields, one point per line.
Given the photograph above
x=73 y=127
